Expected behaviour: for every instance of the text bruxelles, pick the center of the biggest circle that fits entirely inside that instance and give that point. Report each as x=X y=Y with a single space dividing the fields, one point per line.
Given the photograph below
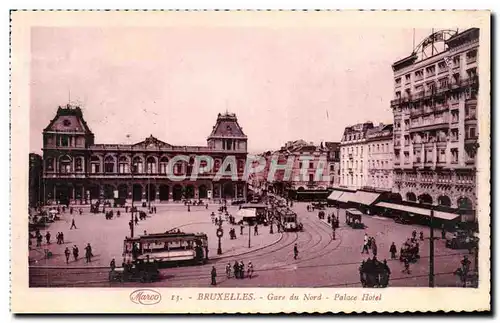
x=225 y=297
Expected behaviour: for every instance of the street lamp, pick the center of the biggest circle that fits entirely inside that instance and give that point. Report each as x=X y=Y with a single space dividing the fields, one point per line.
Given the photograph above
x=219 y=233
x=132 y=170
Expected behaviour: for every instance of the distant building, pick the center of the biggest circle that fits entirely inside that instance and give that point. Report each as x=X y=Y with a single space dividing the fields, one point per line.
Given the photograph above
x=77 y=170
x=333 y=159
x=354 y=156
x=379 y=143
x=435 y=121
x=35 y=177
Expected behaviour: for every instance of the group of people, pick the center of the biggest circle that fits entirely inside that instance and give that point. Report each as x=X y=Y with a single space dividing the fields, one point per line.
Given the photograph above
x=238 y=269
x=76 y=252
x=369 y=244
x=373 y=273
x=60 y=238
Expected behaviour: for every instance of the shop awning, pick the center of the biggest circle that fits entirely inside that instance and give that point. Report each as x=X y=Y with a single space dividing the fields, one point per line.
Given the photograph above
x=417 y=210
x=245 y=214
x=405 y=208
x=334 y=196
x=346 y=197
x=365 y=198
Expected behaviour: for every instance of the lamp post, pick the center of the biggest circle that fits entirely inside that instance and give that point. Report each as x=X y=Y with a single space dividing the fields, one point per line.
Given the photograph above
x=431 y=252
x=219 y=233
x=132 y=170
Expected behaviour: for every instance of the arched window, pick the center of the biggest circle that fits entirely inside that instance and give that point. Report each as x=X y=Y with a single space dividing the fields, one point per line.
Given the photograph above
x=137 y=165
x=65 y=164
x=95 y=165
x=151 y=165
x=163 y=165
x=123 y=166
x=109 y=164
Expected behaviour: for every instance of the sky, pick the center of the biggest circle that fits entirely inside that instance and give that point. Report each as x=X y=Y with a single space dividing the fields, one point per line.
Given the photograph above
x=283 y=84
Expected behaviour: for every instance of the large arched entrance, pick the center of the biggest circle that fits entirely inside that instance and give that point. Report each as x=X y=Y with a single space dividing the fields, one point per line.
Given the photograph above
x=64 y=193
x=202 y=192
x=189 y=192
x=425 y=199
x=137 y=192
x=150 y=192
x=122 y=191
x=177 y=192
x=94 y=191
x=444 y=200
x=411 y=197
x=464 y=203
x=228 y=190
x=164 y=191
x=108 y=191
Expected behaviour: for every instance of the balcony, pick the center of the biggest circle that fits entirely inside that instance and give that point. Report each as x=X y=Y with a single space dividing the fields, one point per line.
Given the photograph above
x=441 y=107
x=416 y=112
x=396 y=102
x=438 y=123
x=471 y=140
x=471 y=59
x=417 y=162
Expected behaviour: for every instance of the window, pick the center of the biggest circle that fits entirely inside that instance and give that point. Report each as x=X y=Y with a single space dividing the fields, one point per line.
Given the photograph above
x=228 y=168
x=64 y=141
x=311 y=177
x=471 y=56
x=49 y=164
x=65 y=164
x=407 y=78
x=442 y=66
x=95 y=165
x=470 y=112
x=137 y=165
x=443 y=82
x=419 y=75
x=471 y=72
x=398 y=81
x=331 y=168
x=300 y=164
x=311 y=165
x=454 y=116
x=151 y=165
x=430 y=70
x=454 y=135
x=123 y=166
x=454 y=155
x=109 y=164
x=79 y=164
x=398 y=94
x=456 y=61
x=164 y=164
x=471 y=133
x=441 y=157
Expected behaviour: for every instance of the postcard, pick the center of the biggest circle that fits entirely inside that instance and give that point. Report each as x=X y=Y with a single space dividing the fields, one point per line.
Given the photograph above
x=250 y=161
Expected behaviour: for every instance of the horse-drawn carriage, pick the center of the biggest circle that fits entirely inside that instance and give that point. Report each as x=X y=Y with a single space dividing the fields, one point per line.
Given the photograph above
x=410 y=251
x=353 y=219
x=374 y=273
x=140 y=270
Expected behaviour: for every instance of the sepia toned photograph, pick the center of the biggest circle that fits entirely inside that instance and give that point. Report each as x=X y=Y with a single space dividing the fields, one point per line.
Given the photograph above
x=345 y=162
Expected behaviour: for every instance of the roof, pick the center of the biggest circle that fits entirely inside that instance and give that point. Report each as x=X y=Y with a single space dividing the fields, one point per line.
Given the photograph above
x=418 y=210
x=365 y=198
x=68 y=119
x=151 y=142
x=227 y=126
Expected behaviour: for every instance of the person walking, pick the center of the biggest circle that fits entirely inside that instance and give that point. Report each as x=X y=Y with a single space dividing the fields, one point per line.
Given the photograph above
x=407 y=266
x=47 y=237
x=75 y=252
x=242 y=270
x=235 y=269
x=39 y=239
x=67 y=253
x=228 y=270
x=214 y=276
x=250 y=269
x=393 y=251
x=241 y=229
x=443 y=233
x=136 y=220
x=112 y=264
x=73 y=225
x=374 y=248
x=256 y=230
x=295 y=252
x=365 y=246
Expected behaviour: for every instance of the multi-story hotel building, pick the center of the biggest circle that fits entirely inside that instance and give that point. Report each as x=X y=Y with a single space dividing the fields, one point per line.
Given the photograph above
x=379 y=143
x=435 y=120
x=354 y=156
x=77 y=170
x=35 y=187
x=333 y=163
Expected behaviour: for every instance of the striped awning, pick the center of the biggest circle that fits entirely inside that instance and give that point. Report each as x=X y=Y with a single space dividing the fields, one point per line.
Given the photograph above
x=417 y=210
x=346 y=197
x=365 y=198
x=334 y=196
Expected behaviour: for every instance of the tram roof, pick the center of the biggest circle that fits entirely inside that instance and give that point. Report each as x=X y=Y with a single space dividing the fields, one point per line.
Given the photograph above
x=167 y=235
x=254 y=206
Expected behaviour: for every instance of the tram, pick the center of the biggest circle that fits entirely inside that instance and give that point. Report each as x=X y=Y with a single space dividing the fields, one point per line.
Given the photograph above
x=169 y=248
x=290 y=221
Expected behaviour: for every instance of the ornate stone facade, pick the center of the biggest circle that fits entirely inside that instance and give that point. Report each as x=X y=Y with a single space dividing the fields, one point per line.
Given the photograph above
x=76 y=170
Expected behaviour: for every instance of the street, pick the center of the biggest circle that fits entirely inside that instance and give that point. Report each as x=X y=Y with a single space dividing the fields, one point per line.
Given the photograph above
x=322 y=261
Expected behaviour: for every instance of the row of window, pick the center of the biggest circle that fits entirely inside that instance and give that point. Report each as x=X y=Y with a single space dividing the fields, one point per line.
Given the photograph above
x=442 y=66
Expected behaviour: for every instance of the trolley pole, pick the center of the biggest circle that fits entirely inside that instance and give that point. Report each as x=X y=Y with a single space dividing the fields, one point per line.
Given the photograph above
x=431 y=252
x=132 y=208
x=249 y=231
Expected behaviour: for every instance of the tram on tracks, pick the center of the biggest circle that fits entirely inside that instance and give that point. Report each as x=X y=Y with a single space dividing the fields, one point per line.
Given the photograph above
x=290 y=221
x=170 y=248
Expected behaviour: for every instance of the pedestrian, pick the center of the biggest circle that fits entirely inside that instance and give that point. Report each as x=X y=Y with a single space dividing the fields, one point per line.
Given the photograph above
x=75 y=252
x=443 y=233
x=407 y=265
x=206 y=206
x=39 y=239
x=154 y=209
x=126 y=208
x=241 y=229
x=228 y=270
x=295 y=251
x=189 y=208
x=393 y=251
x=73 y=225
x=374 y=248
x=47 y=237
x=112 y=264
x=214 y=276
x=250 y=269
x=136 y=220
x=88 y=253
x=71 y=210
x=365 y=247
x=242 y=270
x=67 y=254
x=235 y=269
x=80 y=211
x=421 y=236
x=145 y=233
x=256 y=230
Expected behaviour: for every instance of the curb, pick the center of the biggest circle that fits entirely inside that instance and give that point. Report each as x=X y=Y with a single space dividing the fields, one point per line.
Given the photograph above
x=249 y=251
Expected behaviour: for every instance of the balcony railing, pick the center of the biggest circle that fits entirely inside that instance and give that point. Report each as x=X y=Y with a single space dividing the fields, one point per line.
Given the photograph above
x=470 y=139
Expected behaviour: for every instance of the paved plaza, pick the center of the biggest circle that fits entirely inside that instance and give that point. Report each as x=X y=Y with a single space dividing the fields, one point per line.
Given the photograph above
x=322 y=261
x=106 y=236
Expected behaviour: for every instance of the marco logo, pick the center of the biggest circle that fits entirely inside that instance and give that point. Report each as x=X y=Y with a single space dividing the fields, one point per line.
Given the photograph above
x=145 y=297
